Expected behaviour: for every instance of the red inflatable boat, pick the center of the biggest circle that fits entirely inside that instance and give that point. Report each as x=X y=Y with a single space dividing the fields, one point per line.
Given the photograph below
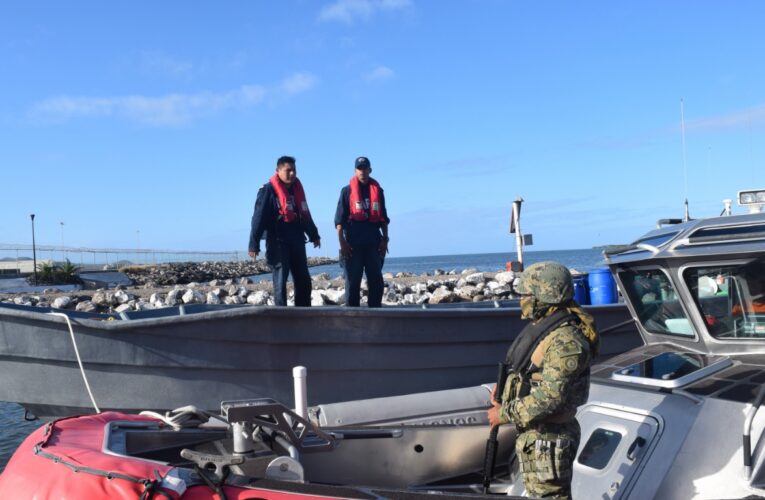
x=67 y=459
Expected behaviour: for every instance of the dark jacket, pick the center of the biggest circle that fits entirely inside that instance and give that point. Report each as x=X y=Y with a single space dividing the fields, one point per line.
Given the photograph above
x=267 y=221
x=359 y=233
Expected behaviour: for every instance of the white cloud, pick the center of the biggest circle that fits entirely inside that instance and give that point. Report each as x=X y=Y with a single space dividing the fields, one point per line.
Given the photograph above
x=380 y=73
x=348 y=11
x=299 y=82
x=168 y=110
x=744 y=118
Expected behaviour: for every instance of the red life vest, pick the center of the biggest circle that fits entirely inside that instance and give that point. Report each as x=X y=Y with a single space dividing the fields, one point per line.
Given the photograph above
x=360 y=212
x=287 y=209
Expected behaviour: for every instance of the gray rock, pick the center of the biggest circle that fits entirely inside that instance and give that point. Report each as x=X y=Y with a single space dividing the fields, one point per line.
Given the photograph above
x=338 y=282
x=334 y=297
x=123 y=308
x=174 y=297
x=502 y=291
x=213 y=298
x=100 y=299
x=438 y=272
x=259 y=298
x=443 y=295
x=388 y=276
x=467 y=292
x=322 y=277
x=61 y=302
x=142 y=305
x=390 y=298
x=243 y=292
x=505 y=277
x=122 y=297
x=474 y=278
x=86 y=306
x=422 y=299
x=470 y=270
x=193 y=297
x=317 y=299
x=157 y=299
x=493 y=285
x=51 y=290
x=233 y=299
x=214 y=283
x=244 y=280
x=23 y=300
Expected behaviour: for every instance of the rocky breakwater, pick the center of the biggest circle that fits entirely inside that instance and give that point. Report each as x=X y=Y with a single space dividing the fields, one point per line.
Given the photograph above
x=181 y=273
x=438 y=287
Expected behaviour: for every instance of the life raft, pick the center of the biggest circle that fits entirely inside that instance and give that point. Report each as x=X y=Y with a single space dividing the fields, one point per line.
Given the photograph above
x=64 y=459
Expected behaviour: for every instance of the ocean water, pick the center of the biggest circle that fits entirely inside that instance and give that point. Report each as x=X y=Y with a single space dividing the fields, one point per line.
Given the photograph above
x=13 y=427
x=13 y=430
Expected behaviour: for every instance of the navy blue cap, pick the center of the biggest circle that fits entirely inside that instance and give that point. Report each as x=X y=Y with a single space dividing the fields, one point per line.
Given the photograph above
x=363 y=162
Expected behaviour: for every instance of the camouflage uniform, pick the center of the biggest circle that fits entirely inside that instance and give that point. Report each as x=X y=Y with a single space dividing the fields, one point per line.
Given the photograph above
x=556 y=384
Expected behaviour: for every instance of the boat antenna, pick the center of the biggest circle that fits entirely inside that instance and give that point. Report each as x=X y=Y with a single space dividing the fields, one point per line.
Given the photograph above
x=686 y=216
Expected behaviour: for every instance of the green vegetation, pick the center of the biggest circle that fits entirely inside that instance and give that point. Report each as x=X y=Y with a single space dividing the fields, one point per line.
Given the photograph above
x=47 y=273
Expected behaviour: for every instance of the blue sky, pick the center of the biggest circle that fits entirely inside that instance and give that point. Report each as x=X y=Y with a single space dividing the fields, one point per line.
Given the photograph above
x=159 y=121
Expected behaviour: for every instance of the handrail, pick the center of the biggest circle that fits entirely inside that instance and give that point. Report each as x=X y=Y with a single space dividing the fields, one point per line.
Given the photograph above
x=616 y=326
x=649 y=248
x=748 y=431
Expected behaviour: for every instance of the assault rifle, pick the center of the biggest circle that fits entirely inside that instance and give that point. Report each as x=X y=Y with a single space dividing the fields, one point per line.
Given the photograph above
x=492 y=444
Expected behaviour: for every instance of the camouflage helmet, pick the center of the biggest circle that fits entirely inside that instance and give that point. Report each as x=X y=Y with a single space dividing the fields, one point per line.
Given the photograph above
x=549 y=282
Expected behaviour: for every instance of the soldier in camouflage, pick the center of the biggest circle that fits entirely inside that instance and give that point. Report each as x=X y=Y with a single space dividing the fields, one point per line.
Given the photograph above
x=549 y=377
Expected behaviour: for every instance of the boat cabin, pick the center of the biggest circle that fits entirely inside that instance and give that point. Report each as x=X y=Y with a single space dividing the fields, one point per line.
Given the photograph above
x=678 y=417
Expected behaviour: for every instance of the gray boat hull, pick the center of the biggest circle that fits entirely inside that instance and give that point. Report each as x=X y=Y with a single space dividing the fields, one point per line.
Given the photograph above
x=205 y=357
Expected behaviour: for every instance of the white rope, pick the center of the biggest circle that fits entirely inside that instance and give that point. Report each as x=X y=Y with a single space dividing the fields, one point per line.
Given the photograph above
x=185 y=416
x=79 y=360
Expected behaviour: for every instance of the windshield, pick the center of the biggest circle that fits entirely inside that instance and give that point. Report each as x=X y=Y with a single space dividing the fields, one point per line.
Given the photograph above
x=655 y=302
x=731 y=298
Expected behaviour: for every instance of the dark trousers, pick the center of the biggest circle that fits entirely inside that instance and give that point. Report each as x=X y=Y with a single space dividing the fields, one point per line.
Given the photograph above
x=285 y=258
x=363 y=259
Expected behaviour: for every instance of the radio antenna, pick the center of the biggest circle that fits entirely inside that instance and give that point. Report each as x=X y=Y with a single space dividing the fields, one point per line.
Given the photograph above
x=686 y=216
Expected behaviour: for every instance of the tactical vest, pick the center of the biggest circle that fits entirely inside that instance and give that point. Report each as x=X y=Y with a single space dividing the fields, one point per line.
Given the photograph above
x=518 y=359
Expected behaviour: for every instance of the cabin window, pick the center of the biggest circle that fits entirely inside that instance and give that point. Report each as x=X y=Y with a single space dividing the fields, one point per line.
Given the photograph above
x=599 y=449
x=659 y=240
x=655 y=301
x=731 y=298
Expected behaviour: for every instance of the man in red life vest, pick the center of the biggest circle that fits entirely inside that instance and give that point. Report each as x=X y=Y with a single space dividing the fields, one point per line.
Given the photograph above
x=281 y=212
x=362 y=221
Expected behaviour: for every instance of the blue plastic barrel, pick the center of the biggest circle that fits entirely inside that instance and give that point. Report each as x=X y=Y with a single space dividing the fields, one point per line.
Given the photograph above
x=602 y=287
x=581 y=290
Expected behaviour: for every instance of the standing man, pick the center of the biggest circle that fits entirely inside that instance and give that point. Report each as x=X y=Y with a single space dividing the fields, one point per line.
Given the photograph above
x=281 y=211
x=362 y=221
x=549 y=377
